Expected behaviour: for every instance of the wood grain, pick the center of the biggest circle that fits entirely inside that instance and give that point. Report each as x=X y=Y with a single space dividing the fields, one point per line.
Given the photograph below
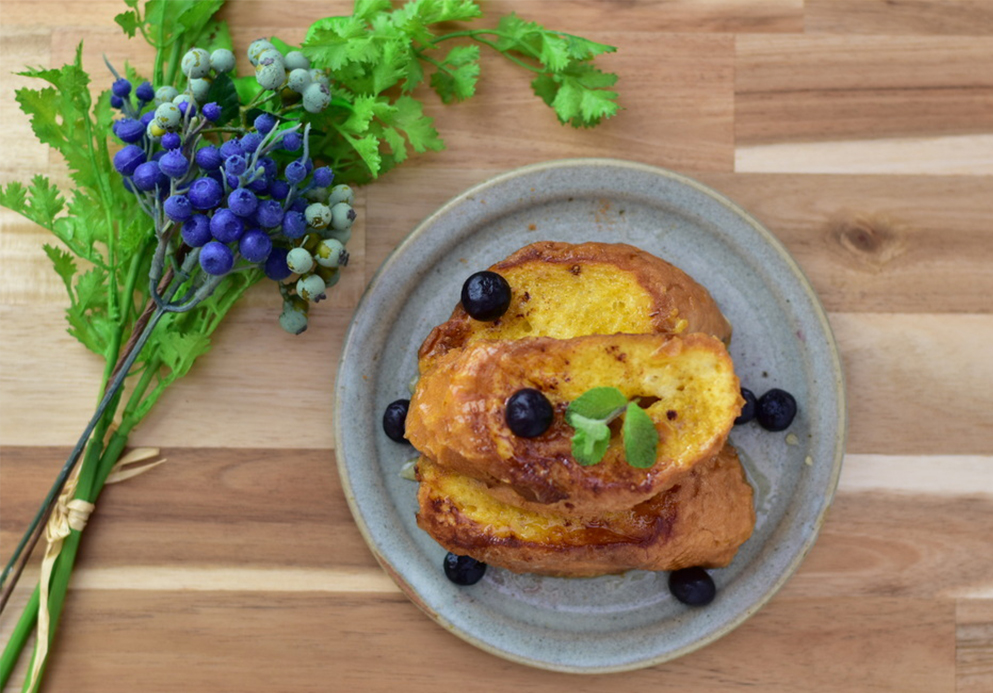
x=234 y=641
x=899 y=17
x=860 y=132
x=820 y=87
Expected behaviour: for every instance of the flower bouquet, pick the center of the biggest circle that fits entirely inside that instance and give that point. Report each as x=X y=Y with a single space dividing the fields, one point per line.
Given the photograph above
x=192 y=184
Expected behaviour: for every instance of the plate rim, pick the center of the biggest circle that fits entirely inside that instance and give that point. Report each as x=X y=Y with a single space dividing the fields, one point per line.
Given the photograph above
x=841 y=435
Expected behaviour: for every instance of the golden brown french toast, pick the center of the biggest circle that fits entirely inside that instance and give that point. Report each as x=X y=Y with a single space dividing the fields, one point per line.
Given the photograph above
x=700 y=521
x=686 y=384
x=566 y=290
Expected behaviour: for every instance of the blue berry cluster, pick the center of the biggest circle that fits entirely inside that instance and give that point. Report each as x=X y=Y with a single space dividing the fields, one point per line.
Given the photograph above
x=241 y=197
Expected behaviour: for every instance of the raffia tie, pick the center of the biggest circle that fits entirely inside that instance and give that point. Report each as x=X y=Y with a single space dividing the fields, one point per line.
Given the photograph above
x=72 y=514
x=68 y=514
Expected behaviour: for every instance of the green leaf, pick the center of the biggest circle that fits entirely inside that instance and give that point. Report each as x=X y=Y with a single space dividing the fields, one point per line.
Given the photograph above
x=641 y=438
x=216 y=35
x=225 y=92
x=282 y=46
x=601 y=403
x=192 y=19
x=87 y=314
x=179 y=351
x=455 y=79
x=579 y=95
x=418 y=128
x=391 y=66
x=246 y=88
x=65 y=265
x=337 y=41
x=367 y=9
x=129 y=22
x=554 y=52
x=591 y=440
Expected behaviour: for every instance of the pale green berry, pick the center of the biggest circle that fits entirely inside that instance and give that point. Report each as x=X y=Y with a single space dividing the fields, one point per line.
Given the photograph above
x=154 y=130
x=222 y=60
x=271 y=55
x=310 y=287
x=182 y=98
x=196 y=63
x=199 y=88
x=299 y=260
x=298 y=80
x=343 y=235
x=270 y=74
x=317 y=195
x=331 y=253
x=319 y=77
x=256 y=47
x=165 y=95
x=316 y=97
x=168 y=115
x=333 y=277
x=296 y=59
x=342 y=216
x=318 y=215
x=293 y=319
x=341 y=193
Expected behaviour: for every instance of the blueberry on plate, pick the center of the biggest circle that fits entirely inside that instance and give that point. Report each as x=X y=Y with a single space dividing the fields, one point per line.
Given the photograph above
x=692 y=586
x=775 y=410
x=528 y=413
x=485 y=296
x=395 y=420
x=748 y=410
x=463 y=570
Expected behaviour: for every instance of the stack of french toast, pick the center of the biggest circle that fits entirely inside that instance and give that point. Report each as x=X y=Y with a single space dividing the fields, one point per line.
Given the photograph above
x=582 y=316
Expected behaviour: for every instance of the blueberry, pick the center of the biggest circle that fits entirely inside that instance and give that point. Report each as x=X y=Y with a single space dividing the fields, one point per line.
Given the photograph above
x=395 y=420
x=775 y=410
x=692 y=586
x=748 y=410
x=529 y=413
x=486 y=296
x=463 y=570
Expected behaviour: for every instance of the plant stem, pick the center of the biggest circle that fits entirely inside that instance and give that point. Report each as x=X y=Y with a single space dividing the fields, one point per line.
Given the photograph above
x=12 y=652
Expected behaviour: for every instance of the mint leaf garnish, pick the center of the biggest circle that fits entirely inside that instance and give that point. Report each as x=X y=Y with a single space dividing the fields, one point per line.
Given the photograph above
x=590 y=415
x=590 y=442
x=599 y=403
x=640 y=437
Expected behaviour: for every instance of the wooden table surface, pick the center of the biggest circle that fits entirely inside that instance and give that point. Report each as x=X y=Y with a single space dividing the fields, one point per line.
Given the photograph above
x=859 y=131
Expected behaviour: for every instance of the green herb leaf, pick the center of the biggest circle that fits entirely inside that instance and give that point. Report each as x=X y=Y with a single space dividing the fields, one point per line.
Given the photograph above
x=224 y=91
x=641 y=438
x=65 y=266
x=87 y=313
x=603 y=403
x=591 y=440
x=129 y=22
x=455 y=78
x=179 y=351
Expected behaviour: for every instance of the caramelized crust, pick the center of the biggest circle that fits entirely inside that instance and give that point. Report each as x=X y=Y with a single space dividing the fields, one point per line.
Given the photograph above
x=564 y=290
x=687 y=384
x=700 y=521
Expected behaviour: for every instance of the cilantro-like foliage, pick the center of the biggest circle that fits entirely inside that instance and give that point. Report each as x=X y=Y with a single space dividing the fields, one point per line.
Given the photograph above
x=378 y=55
x=590 y=415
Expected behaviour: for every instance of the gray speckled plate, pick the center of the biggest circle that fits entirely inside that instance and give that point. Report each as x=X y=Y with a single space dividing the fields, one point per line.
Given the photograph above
x=781 y=339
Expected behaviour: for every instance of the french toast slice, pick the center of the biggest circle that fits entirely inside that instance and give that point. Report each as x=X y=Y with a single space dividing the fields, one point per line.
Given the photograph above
x=686 y=384
x=565 y=290
x=702 y=520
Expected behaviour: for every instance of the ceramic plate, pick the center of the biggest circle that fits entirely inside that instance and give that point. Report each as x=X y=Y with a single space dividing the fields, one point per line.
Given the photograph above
x=781 y=339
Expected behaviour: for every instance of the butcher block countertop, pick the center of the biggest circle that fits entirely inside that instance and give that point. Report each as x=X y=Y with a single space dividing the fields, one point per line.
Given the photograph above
x=860 y=132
